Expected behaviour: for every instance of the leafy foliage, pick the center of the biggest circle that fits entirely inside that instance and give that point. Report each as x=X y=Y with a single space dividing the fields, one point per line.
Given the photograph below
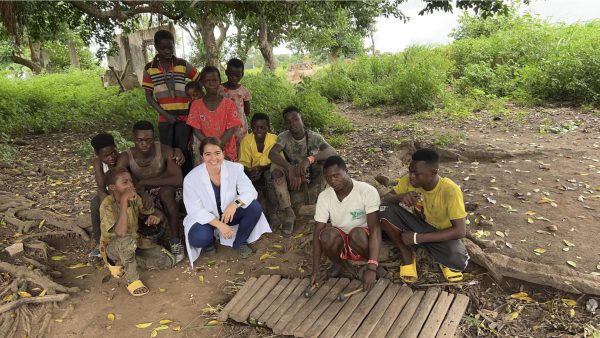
x=74 y=100
x=271 y=94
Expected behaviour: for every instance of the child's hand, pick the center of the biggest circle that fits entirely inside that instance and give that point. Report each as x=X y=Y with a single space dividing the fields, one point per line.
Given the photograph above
x=147 y=200
x=302 y=167
x=152 y=220
x=178 y=156
x=128 y=195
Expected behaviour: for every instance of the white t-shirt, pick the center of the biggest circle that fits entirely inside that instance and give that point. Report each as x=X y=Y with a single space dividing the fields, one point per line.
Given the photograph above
x=352 y=211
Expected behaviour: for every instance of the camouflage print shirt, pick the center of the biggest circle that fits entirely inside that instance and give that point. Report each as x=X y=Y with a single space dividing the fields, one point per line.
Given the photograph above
x=109 y=215
x=295 y=150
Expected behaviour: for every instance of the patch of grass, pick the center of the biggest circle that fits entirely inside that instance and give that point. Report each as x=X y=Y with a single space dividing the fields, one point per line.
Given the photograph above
x=446 y=138
x=336 y=141
x=8 y=153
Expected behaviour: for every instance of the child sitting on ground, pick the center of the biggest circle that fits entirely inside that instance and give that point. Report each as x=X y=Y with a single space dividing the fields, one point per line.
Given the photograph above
x=120 y=214
x=106 y=158
x=427 y=210
x=254 y=156
x=214 y=115
x=235 y=91
x=193 y=90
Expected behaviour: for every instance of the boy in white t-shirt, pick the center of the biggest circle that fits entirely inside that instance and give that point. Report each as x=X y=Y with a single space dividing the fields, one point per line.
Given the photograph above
x=347 y=216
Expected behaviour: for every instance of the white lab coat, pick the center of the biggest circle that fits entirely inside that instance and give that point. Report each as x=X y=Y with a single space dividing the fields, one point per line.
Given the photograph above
x=201 y=207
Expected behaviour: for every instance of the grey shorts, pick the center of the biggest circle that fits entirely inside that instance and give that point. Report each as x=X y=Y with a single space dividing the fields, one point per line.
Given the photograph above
x=452 y=254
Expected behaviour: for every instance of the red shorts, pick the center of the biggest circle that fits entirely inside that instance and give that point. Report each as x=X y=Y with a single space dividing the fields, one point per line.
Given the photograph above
x=347 y=252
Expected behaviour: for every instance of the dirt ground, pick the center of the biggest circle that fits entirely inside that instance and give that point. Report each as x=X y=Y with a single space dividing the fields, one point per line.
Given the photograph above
x=553 y=180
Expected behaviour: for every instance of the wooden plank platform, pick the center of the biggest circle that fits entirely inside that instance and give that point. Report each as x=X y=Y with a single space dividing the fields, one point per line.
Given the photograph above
x=387 y=310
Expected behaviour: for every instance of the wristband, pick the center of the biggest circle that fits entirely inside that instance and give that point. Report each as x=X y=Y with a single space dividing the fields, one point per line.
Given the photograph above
x=415 y=238
x=311 y=159
x=372 y=261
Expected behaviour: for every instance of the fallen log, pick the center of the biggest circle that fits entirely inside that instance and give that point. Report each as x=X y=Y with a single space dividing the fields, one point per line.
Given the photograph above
x=558 y=277
x=33 y=300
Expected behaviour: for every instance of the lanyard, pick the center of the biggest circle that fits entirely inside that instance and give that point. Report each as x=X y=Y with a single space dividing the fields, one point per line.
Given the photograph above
x=164 y=73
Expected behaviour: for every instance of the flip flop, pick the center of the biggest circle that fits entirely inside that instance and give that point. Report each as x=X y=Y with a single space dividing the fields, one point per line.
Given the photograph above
x=137 y=288
x=408 y=272
x=451 y=276
x=115 y=270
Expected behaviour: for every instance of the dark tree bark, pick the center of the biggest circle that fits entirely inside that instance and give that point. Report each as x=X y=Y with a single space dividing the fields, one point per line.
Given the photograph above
x=265 y=45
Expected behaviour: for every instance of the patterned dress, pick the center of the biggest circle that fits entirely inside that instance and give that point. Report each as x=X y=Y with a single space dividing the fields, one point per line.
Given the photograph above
x=215 y=123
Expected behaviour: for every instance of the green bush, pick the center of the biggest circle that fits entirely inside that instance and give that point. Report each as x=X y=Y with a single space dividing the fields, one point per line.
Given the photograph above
x=528 y=59
x=74 y=100
x=412 y=80
x=271 y=94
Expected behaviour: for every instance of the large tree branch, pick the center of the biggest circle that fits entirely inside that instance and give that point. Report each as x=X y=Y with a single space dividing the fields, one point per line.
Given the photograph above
x=35 y=68
x=124 y=15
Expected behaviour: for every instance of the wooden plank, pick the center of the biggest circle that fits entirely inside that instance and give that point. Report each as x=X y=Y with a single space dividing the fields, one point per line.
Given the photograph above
x=263 y=290
x=353 y=302
x=392 y=312
x=418 y=319
x=248 y=295
x=377 y=312
x=330 y=313
x=450 y=323
x=437 y=315
x=363 y=309
x=407 y=312
x=324 y=304
x=279 y=300
x=297 y=294
x=310 y=305
x=262 y=307
x=224 y=314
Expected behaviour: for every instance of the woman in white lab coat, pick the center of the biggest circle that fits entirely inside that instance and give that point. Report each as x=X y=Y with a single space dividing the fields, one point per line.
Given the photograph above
x=220 y=200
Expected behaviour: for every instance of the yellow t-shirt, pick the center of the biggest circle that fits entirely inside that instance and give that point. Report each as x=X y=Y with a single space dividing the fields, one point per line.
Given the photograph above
x=249 y=155
x=440 y=205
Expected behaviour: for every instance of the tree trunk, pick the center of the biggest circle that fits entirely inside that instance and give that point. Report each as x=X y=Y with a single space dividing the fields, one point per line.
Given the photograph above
x=35 y=67
x=74 y=60
x=265 y=45
x=211 y=52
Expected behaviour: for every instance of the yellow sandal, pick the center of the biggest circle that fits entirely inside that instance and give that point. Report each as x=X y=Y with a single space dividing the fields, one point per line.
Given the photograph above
x=137 y=288
x=408 y=272
x=451 y=276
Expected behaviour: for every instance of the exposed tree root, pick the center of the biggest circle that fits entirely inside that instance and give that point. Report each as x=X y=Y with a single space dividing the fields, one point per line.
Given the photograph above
x=32 y=300
x=53 y=219
x=558 y=277
x=37 y=277
x=18 y=213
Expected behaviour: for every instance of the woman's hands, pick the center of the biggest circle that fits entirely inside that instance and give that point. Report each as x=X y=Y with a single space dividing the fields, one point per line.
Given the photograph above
x=225 y=230
x=229 y=212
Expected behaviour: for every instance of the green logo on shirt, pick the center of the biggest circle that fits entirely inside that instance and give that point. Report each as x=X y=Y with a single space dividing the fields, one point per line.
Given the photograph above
x=357 y=214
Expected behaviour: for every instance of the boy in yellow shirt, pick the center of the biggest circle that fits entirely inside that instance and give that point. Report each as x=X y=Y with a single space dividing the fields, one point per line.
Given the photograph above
x=254 y=156
x=427 y=210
